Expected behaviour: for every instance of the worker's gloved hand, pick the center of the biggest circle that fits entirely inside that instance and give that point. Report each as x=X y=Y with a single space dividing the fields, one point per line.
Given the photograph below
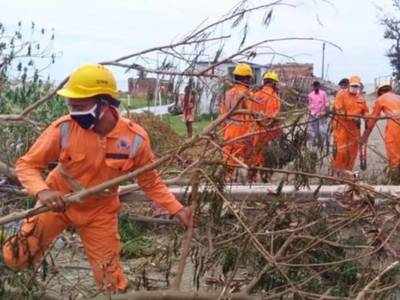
x=52 y=199
x=185 y=216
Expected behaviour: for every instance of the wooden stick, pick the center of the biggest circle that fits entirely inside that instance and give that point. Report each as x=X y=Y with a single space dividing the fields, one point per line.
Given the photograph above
x=361 y=295
x=78 y=196
x=144 y=219
x=173 y=295
x=185 y=249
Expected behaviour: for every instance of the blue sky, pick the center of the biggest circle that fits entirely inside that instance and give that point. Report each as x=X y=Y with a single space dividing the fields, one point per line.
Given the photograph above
x=90 y=31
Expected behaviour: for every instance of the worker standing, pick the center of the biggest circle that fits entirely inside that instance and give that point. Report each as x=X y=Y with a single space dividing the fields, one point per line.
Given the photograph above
x=387 y=103
x=267 y=106
x=349 y=109
x=318 y=105
x=189 y=107
x=92 y=144
x=237 y=125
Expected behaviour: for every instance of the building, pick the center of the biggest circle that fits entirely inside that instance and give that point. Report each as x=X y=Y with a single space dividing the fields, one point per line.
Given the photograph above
x=290 y=70
x=146 y=87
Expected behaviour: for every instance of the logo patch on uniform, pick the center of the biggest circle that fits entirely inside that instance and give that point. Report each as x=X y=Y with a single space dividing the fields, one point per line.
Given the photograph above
x=123 y=145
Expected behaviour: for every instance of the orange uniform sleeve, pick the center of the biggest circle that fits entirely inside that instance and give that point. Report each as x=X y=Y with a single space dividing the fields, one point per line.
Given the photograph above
x=338 y=104
x=223 y=109
x=273 y=106
x=376 y=112
x=152 y=184
x=29 y=167
x=365 y=108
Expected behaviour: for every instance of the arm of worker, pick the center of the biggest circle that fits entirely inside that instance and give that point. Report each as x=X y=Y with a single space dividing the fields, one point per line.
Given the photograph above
x=338 y=105
x=155 y=188
x=371 y=121
x=29 y=168
x=273 y=107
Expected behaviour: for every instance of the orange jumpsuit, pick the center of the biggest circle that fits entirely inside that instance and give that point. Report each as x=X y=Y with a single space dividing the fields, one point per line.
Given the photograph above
x=236 y=126
x=346 y=129
x=90 y=160
x=268 y=104
x=389 y=104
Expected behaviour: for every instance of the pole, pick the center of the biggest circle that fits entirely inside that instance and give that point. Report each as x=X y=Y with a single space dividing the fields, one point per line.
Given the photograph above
x=323 y=61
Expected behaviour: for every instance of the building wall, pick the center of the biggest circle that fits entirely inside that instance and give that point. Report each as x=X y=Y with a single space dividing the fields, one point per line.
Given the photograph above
x=144 y=88
x=290 y=70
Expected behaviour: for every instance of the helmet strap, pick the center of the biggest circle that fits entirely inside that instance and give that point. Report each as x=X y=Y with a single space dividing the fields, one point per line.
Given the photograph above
x=99 y=109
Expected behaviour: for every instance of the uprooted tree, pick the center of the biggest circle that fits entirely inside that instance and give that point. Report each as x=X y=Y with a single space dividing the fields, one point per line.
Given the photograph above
x=304 y=245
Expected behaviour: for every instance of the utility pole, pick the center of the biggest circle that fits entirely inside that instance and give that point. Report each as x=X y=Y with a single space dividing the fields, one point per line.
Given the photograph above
x=323 y=60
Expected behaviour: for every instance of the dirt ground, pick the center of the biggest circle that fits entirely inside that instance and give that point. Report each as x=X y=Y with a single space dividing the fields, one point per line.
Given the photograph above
x=376 y=154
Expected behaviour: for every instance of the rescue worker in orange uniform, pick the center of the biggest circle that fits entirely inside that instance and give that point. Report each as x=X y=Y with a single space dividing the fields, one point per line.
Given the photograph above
x=349 y=108
x=266 y=105
x=237 y=125
x=92 y=144
x=387 y=103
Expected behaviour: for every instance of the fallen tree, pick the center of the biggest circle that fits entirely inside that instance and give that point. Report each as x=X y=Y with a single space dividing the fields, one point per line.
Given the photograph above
x=271 y=245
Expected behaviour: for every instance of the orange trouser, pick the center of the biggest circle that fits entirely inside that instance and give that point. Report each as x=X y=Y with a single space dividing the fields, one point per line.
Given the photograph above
x=98 y=229
x=241 y=148
x=392 y=143
x=260 y=142
x=346 y=146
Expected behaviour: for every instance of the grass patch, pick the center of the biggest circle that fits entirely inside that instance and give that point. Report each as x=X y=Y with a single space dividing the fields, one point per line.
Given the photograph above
x=133 y=103
x=133 y=237
x=179 y=126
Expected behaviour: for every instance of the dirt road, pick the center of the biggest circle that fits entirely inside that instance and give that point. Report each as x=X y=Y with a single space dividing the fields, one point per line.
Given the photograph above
x=376 y=154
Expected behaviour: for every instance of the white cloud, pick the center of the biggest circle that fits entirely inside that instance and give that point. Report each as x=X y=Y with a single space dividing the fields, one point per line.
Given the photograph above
x=103 y=30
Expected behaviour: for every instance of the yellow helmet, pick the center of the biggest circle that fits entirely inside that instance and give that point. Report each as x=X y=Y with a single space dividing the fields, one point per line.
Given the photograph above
x=271 y=75
x=90 y=80
x=243 y=69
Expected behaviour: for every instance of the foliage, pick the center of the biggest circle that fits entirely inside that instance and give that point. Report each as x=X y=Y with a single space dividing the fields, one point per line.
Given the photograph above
x=162 y=136
x=21 y=61
x=24 y=52
x=134 y=242
x=392 y=33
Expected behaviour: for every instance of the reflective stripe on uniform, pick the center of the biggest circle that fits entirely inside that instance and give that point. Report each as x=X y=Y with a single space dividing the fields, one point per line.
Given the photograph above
x=135 y=146
x=64 y=135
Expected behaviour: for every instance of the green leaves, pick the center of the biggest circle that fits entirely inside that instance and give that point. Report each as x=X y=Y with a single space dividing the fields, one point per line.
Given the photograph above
x=134 y=241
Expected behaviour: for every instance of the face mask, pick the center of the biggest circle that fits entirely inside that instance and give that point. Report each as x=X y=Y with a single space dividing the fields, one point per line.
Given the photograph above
x=354 y=89
x=86 y=119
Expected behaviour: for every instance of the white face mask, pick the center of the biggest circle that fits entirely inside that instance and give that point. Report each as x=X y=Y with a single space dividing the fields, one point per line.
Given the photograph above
x=354 y=89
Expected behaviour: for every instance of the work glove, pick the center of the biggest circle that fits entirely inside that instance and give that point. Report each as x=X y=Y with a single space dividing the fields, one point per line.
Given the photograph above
x=52 y=199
